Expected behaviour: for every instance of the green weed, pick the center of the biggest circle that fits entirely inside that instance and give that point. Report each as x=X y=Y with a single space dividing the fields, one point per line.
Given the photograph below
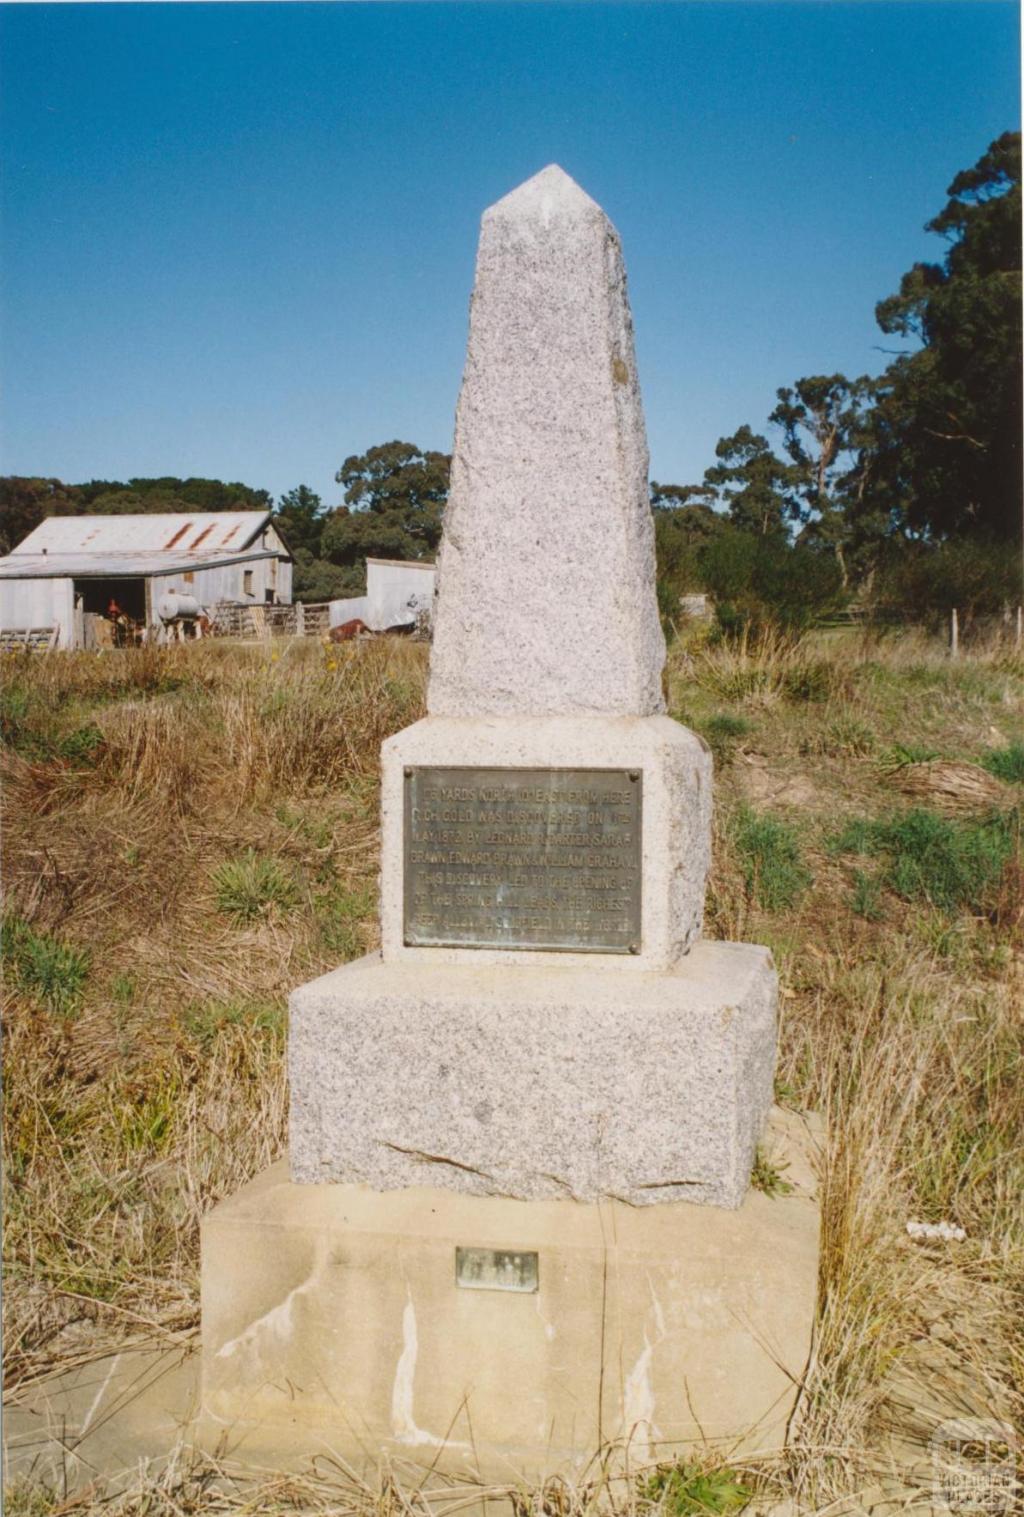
x=902 y=754
x=927 y=857
x=204 y=1021
x=122 y=988
x=80 y=747
x=721 y=732
x=767 y=1177
x=812 y=681
x=844 y=736
x=45 y=967
x=341 y=913
x=14 y=711
x=23 y=1498
x=689 y=1490
x=773 y=869
x=145 y=1119
x=866 y=896
x=1006 y=763
x=252 y=886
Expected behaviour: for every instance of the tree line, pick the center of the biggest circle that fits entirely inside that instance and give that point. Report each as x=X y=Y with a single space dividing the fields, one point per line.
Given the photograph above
x=903 y=490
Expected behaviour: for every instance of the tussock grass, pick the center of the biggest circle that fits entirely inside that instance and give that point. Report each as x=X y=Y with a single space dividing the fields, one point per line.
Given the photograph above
x=252 y=886
x=218 y=844
x=759 y=669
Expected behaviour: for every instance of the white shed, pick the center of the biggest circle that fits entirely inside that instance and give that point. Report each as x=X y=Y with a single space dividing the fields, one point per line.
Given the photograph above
x=398 y=593
x=71 y=566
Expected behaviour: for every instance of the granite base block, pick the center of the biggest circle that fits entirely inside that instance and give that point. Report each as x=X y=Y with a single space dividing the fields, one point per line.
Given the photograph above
x=532 y=1083
x=332 y=1318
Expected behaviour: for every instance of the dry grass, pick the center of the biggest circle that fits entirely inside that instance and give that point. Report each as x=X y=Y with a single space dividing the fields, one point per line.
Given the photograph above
x=132 y=1105
x=199 y=826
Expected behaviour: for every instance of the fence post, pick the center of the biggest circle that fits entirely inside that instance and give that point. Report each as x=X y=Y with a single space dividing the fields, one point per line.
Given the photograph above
x=954 y=634
x=300 y=618
x=1020 y=626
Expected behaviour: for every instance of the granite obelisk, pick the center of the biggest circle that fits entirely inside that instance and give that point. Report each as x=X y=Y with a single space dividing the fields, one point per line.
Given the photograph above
x=485 y=1243
x=547 y=603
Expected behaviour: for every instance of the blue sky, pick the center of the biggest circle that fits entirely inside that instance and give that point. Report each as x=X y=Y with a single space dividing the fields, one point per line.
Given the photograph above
x=238 y=240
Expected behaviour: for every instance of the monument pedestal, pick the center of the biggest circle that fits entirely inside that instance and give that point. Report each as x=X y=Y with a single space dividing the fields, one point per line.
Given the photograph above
x=537 y=1081
x=415 y=1322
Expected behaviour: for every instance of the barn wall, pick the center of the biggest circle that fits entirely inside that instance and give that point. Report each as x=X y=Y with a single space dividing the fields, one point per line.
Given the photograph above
x=227 y=583
x=38 y=603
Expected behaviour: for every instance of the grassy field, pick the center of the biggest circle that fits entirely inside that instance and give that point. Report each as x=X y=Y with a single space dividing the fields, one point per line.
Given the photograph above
x=192 y=831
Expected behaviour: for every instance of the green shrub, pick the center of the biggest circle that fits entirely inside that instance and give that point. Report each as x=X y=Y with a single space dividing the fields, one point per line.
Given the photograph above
x=951 y=864
x=773 y=869
x=1006 y=763
x=758 y=581
x=925 y=581
x=43 y=966
x=250 y=886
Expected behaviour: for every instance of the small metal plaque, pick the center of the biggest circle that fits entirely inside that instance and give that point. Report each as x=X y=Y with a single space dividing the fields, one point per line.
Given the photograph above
x=523 y=858
x=496 y=1269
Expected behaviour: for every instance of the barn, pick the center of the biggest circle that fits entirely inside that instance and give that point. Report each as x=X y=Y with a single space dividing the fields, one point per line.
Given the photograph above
x=66 y=573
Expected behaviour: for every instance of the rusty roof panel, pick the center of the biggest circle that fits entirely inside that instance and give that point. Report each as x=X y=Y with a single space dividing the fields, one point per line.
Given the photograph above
x=160 y=532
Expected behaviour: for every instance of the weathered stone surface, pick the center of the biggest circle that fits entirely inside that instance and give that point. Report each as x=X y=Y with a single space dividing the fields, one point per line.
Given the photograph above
x=537 y=1081
x=331 y=1317
x=676 y=833
x=546 y=601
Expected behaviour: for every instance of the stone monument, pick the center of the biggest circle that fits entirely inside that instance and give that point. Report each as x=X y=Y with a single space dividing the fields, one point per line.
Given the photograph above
x=518 y=1221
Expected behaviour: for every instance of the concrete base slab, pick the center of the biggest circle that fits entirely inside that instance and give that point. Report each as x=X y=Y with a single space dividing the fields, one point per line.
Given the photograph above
x=333 y=1313
x=537 y=1082
x=100 y=1421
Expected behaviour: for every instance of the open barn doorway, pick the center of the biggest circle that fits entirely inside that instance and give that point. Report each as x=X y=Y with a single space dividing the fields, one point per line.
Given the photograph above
x=114 y=611
x=128 y=595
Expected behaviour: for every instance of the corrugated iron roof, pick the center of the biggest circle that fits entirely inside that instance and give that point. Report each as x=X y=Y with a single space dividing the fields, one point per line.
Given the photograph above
x=161 y=532
x=120 y=565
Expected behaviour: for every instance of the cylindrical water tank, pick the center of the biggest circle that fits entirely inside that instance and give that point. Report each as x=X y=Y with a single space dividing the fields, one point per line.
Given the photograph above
x=175 y=603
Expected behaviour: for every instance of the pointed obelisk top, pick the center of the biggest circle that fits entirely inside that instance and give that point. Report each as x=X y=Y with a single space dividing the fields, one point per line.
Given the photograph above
x=546 y=600
x=552 y=192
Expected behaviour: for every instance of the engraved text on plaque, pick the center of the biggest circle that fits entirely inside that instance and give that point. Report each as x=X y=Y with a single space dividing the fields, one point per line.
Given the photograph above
x=523 y=858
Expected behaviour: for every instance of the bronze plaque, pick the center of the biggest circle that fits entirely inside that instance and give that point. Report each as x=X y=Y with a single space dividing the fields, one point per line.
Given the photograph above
x=523 y=858
x=496 y=1269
